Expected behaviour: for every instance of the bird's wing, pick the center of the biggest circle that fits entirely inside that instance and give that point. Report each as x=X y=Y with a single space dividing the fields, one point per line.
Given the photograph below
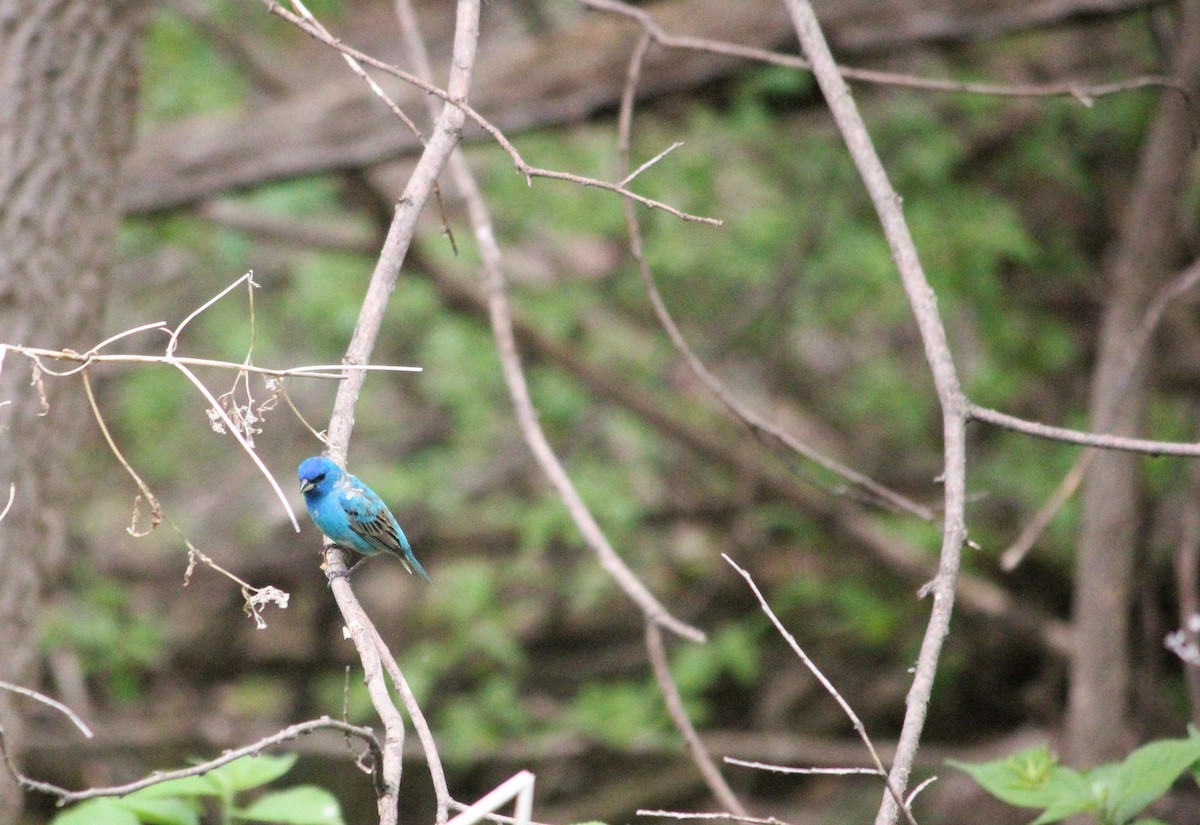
x=370 y=519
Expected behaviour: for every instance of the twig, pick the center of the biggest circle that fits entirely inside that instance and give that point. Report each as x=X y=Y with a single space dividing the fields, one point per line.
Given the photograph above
x=337 y=372
x=913 y=793
x=291 y=732
x=628 y=178
x=241 y=439
x=12 y=495
x=360 y=629
x=495 y=817
x=432 y=758
x=752 y=820
x=859 y=727
x=764 y=766
x=173 y=342
x=520 y=785
x=1085 y=93
x=459 y=102
x=378 y=91
x=253 y=596
x=1103 y=441
x=700 y=755
x=1169 y=292
x=54 y=703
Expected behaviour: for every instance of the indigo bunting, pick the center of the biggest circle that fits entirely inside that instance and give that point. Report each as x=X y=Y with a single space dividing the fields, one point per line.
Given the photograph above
x=352 y=514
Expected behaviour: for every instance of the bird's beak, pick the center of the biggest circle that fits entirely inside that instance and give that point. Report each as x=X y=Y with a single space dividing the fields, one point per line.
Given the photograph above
x=305 y=486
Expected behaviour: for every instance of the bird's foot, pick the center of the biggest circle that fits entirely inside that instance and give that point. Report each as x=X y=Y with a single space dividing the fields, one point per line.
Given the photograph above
x=341 y=574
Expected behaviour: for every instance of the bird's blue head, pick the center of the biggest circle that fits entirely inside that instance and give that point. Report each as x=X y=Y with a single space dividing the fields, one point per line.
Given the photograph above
x=318 y=475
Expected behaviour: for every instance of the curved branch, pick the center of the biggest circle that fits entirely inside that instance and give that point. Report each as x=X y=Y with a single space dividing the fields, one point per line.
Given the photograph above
x=1085 y=93
x=500 y=314
x=945 y=378
x=758 y=425
x=66 y=795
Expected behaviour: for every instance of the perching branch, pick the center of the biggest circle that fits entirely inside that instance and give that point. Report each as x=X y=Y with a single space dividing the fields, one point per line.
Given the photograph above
x=447 y=132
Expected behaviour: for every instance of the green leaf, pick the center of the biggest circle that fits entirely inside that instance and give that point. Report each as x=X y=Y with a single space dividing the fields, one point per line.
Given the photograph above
x=1063 y=809
x=1148 y=773
x=1031 y=778
x=188 y=786
x=252 y=771
x=96 y=812
x=162 y=811
x=305 y=805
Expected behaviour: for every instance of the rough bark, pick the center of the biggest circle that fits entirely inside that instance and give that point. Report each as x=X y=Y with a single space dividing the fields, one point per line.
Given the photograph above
x=1143 y=255
x=67 y=92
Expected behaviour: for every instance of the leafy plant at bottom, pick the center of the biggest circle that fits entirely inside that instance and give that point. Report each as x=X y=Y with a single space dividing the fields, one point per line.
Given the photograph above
x=180 y=801
x=1114 y=793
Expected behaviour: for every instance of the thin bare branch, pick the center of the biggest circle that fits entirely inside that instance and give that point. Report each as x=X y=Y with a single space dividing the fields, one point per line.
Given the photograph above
x=1066 y=488
x=1103 y=441
x=762 y=428
x=500 y=314
x=174 y=339
x=1085 y=93
x=625 y=181
x=46 y=700
x=241 y=439
x=394 y=107
x=859 y=727
x=765 y=766
x=12 y=496
x=751 y=820
x=699 y=753
x=520 y=786
x=526 y=170
x=446 y=133
x=254 y=597
x=433 y=759
x=66 y=795
x=951 y=399
x=912 y=795
x=335 y=372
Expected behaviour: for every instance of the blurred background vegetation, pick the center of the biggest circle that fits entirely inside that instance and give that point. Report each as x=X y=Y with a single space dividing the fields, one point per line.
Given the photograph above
x=523 y=653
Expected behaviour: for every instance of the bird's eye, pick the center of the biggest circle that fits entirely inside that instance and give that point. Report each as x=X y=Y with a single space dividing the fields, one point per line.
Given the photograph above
x=318 y=479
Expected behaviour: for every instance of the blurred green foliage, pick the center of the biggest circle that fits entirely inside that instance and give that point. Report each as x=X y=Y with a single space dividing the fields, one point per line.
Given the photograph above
x=116 y=645
x=795 y=300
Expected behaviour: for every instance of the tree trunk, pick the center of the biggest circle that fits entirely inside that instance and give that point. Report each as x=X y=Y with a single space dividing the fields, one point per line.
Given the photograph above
x=1141 y=260
x=67 y=107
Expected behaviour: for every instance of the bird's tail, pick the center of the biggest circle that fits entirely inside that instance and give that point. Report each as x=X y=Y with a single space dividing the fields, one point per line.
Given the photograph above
x=413 y=566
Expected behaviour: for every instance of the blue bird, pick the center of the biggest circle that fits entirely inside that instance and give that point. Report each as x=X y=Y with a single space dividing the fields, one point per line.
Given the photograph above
x=352 y=514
